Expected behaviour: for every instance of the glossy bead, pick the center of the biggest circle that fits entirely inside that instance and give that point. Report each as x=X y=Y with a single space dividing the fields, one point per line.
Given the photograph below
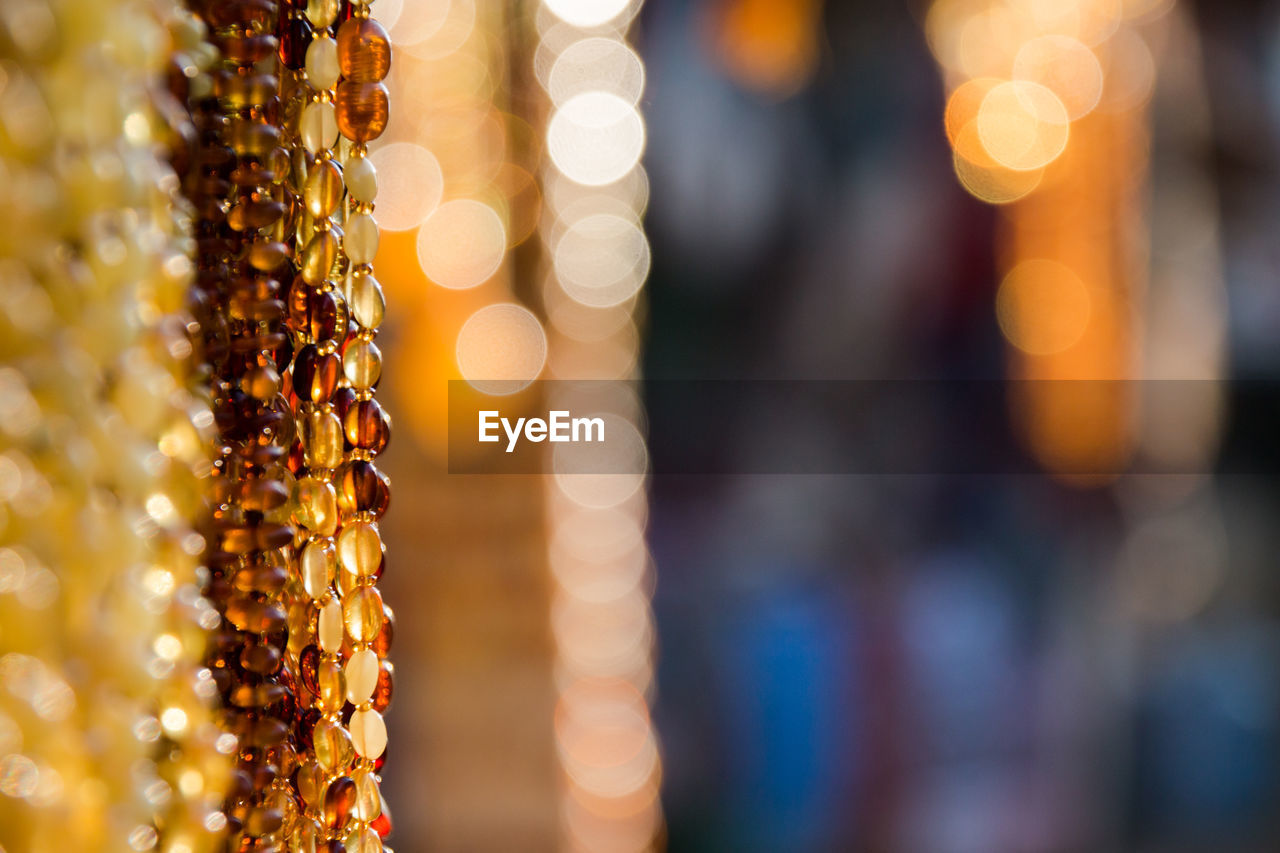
x=368 y=804
x=362 y=179
x=362 y=364
x=362 y=613
x=362 y=110
x=315 y=374
x=368 y=305
x=333 y=685
x=320 y=316
x=362 y=676
x=386 y=686
x=262 y=383
x=318 y=563
x=323 y=191
x=360 y=549
x=322 y=439
x=322 y=13
x=315 y=506
x=333 y=747
x=363 y=841
x=310 y=780
x=309 y=668
x=382 y=645
x=295 y=38
x=318 y=126
x=361 y=241
x=363 y=489
x=257 y=617
x=318 y=257
x=329 y=626
x=322 y=62
x=364 y=50
x=367 y=426
x=339 y=801
x=368 y=733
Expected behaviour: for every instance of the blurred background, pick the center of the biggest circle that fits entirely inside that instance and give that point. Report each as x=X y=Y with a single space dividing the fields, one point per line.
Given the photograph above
x=848 y=189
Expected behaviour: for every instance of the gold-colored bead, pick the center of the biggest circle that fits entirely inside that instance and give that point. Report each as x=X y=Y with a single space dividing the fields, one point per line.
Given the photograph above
x=363 y=840
x=322 y=439
x=322 y=62
x=318 y=126
x=362 y=613
x=323 y=192
x=360 y=549
x=368 y=733
x=316 y=506
x=333 y=685
x=362 y=180
x=329 y=626
x=361 y=240
x=334 y=750
x=318 y=562
x=322 y=13
x=362 y=363
x=368 y=798
x=362 y=676
x=318 y=257
x=368 y=304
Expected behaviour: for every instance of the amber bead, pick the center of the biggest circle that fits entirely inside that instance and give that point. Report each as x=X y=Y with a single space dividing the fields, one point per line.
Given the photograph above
x=362 y=613
x=260 y=658
x=363 y=841
x=251 y=215
x=295 y=38
x=361 y=178
x=309 y=668
x=360 y=548
x=310 y=782
x=333 y=685
x=362 y=110
x=245 y=50
x=267 y=256
x=364 y=489
x=368 y=426
x=240 y=92
x=322 y=13
x=324 y=188
x=386 y=686
x=315 y=375
x=368 y=803
x=368 y=733
x=332 y=745
x=262 y=495
x=318 y=126
x=368 y=305
x=362 y=676
x=322 y=439
x=251 y=138
x=318 y=561
x=382 y=645
x=362 y=363
x=364 y=50
x=260 y=578
x=329 y=626
x=262 y=383
x=339 y=802
x=256 y=617
x=318 y=257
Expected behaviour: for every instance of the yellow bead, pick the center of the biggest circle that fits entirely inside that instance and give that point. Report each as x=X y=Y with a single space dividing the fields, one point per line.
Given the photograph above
x=360 y=549
x=316 y=506
x=322 y=13
x=362 y=613
x=362 y=676
x=368 y=733
x=318 y=560
x=363 y=840
x=368 y=799
x=323 y=191
x=329 y=626
x=368 y=305
x=334 y=750
x=362 y=179
x=322 y=439
x=361 y=240
x=318 y=257
x=333 y=685
x=318 y=126
x=311 y=783
x=362 y=363
x=322 y=62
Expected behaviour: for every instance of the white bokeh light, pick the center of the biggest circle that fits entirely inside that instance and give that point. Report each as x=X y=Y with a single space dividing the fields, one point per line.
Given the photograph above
x=410 y=186
x=501 y=349
x=587 y=13
x=461 y=244
x=596 y=138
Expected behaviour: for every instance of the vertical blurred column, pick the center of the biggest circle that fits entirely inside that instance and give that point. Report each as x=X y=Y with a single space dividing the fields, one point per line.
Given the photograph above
x=596 y=260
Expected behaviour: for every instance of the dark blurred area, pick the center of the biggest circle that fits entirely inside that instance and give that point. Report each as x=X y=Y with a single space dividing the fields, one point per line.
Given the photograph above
x=942 y=664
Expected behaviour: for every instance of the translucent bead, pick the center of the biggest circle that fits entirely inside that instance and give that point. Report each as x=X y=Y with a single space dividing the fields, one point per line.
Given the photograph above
x=322 y=62
x=322 y=13
x=362 y=179
x=361 y=240
x=333 y=746
x=309 y=668
x=362 y=613
x=315 y=374
x=318 y=563
x=363 y=841
x=315 y=506
x=386 y=686
x=363 y=489
x=329 y=626
x=387 y=635
x=360 y=549
x=368 y=733
x=318 y=126
x=362 y=363
x=323 y=191
x=364 y=50
x=339 y=801
x=368 y=304
x=295 y=37
x=362 y=676
x=261 y=383
x=333 y=685
x=367 y=426
x=361 y=110
x=311 y=783
x=318 y=257
x=322 y=439
x=368 y=800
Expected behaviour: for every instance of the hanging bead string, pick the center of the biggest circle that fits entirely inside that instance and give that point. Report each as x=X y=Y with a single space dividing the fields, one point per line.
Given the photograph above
x=242 y=206
x=104 y=734
x=342 y=628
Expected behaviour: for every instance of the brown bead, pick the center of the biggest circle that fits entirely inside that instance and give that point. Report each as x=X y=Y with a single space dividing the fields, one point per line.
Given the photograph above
x=386 y=685
x=254 y=214
x=260 y=578
x=364 y=489
x=362 y=110
x=322 y=316
x=364 y=50
x=309 y=668
x=262 y=383
x=257 y=617
x=262 y=495
x=261 y=658
x=240 y=92
x=338 y=802
x=367 y=426
x=318 y=257
x=295 y=38
x=382 y=644
x=251 y=138
x=267 y=256
x=315 y=376
x=245 y=50
x=268 y=732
